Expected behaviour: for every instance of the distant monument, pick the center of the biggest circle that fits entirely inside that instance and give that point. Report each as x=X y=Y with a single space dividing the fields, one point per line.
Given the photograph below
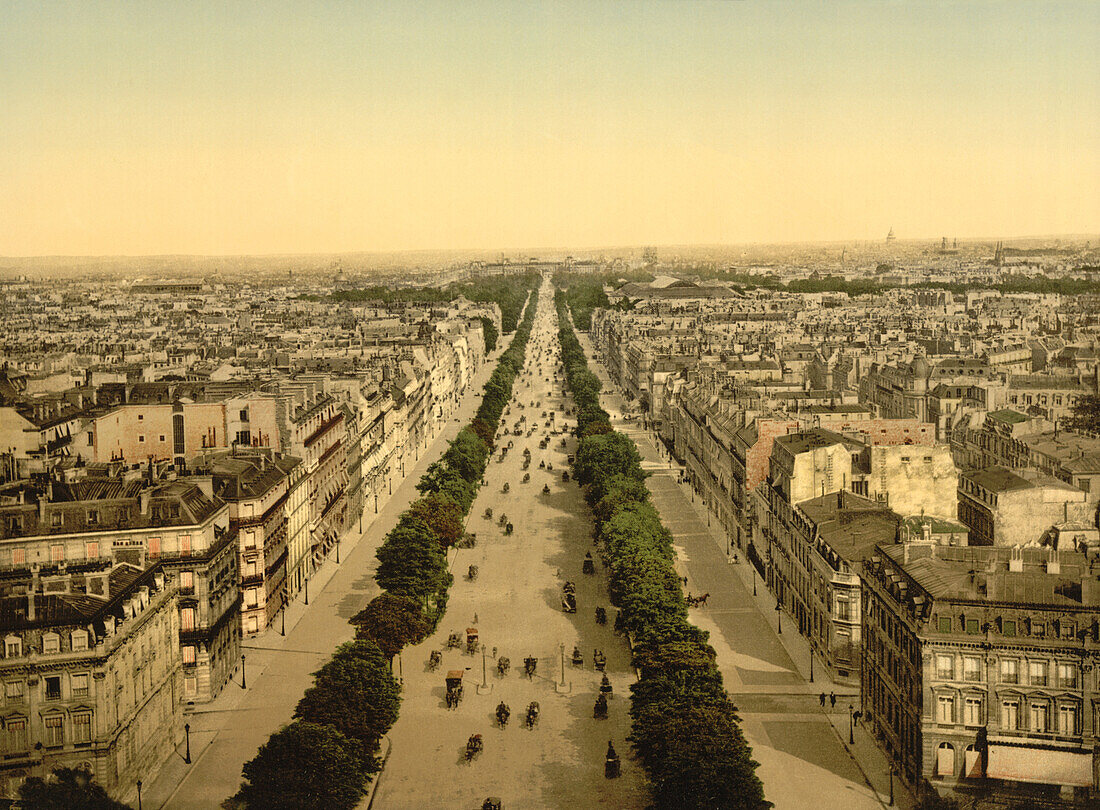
x=890 y=238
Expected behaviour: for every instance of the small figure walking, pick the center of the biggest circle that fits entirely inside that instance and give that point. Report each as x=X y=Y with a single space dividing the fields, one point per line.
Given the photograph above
x=475 y=622
x=823 y=700
x=832 y=699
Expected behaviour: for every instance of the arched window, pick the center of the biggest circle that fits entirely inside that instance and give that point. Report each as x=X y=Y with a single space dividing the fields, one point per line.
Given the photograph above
x=945 y=760
x=972 y=763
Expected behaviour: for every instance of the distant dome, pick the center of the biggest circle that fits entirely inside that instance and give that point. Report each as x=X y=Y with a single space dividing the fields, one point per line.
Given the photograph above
x=921 y=371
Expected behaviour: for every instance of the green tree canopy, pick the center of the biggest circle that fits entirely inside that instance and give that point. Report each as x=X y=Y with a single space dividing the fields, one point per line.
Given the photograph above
x=467 y=455
x=442 y=514
x=1086 y=415
x=358 y=697
x=391 y=621
x=304 y=766
x=411 y=561
x=66 y=789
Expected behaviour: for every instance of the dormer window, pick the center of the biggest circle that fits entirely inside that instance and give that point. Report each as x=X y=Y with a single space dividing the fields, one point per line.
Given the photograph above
x=13 y=647
x=93 y=517
x=51 y=643
x=79 y=640
x=55 y=520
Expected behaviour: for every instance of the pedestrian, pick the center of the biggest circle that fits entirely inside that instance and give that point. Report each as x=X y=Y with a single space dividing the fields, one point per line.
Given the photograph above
x=494 y=652
x=832 y=699
x=475 y=622
x=823 y=700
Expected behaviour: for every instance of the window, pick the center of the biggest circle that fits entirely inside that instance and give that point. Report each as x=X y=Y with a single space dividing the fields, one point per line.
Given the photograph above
x=141 y=417
x=53 y=687
x=1010 y=715
x=946 y=712
x=189 y=654
x=1010 y=670
x=55 y=731
x=1038 y=629
x=18 y=556
x=187 y=619
x=154 y=547
x=973 y=627
x=1038 y=673
x=13 y=647
x=162 y=437
x=843 y=609
x=82 y=728
x=51 y=643
x=1068 y=719
x=57 y=553
x=1008 y=627
x=93 y=516
x=945 y=667
x=1039 y=718
x=190 y=687
x=945 y=624
x=79 y=640
x=13 y=691
x=972 y=668
x=141 y=437
x=79 y=684
x=187 y=580
x=55 y=520
x=250 y=598
x=1067 y=675
x=17 y=736
x=91 y=551
x=973 y=711
x=244 y=414
x=185 y=545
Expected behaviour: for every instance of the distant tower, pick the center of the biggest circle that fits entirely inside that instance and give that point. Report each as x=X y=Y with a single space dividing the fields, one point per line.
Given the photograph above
x=890 y=236
x=943 y=243
x=955 y=245
x=999 y=255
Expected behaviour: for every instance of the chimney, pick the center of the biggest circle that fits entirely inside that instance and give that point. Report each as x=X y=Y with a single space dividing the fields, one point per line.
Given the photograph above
x=30 y=604
x=840 y=499
x=143 y=501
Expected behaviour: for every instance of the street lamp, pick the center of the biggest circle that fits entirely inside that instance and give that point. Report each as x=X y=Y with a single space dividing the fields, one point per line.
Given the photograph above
x=891 y=785
x=851 y=725
x=778 y=618
x=562 y=645
x=282 y=618
x=337 y=549
x=753 y=580
x=307 y=591
x=811 y=662
x=244 y=684
x=187 y=735
x=139 y=793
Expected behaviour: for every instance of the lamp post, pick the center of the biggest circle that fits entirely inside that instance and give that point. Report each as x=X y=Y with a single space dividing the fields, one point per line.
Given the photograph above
x=282 y=619
x=778 y=618
x=851 y=725
x=811 y=662
x=337 y=549
x=139 y=793
x=187 y=737
x=484 y=681
x=562 y=645
x=307 y=591
x=891 y=785
x=244 y=684
x=753 y=580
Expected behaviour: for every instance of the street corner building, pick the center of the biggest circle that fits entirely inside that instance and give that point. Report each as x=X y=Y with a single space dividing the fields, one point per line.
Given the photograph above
x=90 y=673
x=980 y=669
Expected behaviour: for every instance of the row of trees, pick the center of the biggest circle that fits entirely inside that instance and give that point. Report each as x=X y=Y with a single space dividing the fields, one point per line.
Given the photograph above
x=509 y=293
x=583 y=294
x=328 y=755
x=685 y=729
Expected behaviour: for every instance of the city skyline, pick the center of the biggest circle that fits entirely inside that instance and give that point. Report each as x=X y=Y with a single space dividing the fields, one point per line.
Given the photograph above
x=290 y=129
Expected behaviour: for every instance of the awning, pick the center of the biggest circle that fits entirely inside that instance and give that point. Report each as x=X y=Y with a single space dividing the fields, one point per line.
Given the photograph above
x=1048 y=766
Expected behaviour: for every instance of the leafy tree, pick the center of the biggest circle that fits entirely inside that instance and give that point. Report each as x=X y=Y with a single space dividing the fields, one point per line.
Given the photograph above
x=442 y=514
x=607 y=455
x=391 y=621
x=484 y=431
x=304 y=766
x=618 y=491
x=467 y=455
x=1086 y=414
x=490 y=332
x=66 y=789
x=447 y=481
x=357 y=696
x=411 y=561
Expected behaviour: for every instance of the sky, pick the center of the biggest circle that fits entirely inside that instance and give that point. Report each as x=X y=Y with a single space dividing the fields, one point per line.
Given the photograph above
x=279 y=127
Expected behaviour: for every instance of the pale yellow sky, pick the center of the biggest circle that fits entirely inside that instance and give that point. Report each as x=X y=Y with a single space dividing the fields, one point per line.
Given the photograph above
x=277 y=128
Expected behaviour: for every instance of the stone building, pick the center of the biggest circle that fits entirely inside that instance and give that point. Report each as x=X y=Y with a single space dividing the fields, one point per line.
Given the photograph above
x=90 y=673
x=980 y=667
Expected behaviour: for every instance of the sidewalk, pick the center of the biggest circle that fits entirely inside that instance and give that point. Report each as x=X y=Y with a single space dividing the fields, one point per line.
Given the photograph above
x=277 y=668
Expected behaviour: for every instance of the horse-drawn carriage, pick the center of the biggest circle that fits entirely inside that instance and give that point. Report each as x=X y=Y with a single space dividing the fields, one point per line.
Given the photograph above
x=601 y=615
x=569 y=597
x=471 y=573
x=578 y=658
x=545 y=489
x=599 y=660
x=454 y=641
x=563 y=444
x=471 y=640
x=530 y=664
x=454 y=688
x=503 y=520
x=565 y=477
x=488 y=513
x=503 y=664
x=491 y=803
x=526 y=477
x=505 y=488
x=503 y=713
x=532 y=717
x=508 y=528
x=588 y=566
x=605 y=687
x=474 y=746
x=599 y=711
x=612 y=765
x=434 y=660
